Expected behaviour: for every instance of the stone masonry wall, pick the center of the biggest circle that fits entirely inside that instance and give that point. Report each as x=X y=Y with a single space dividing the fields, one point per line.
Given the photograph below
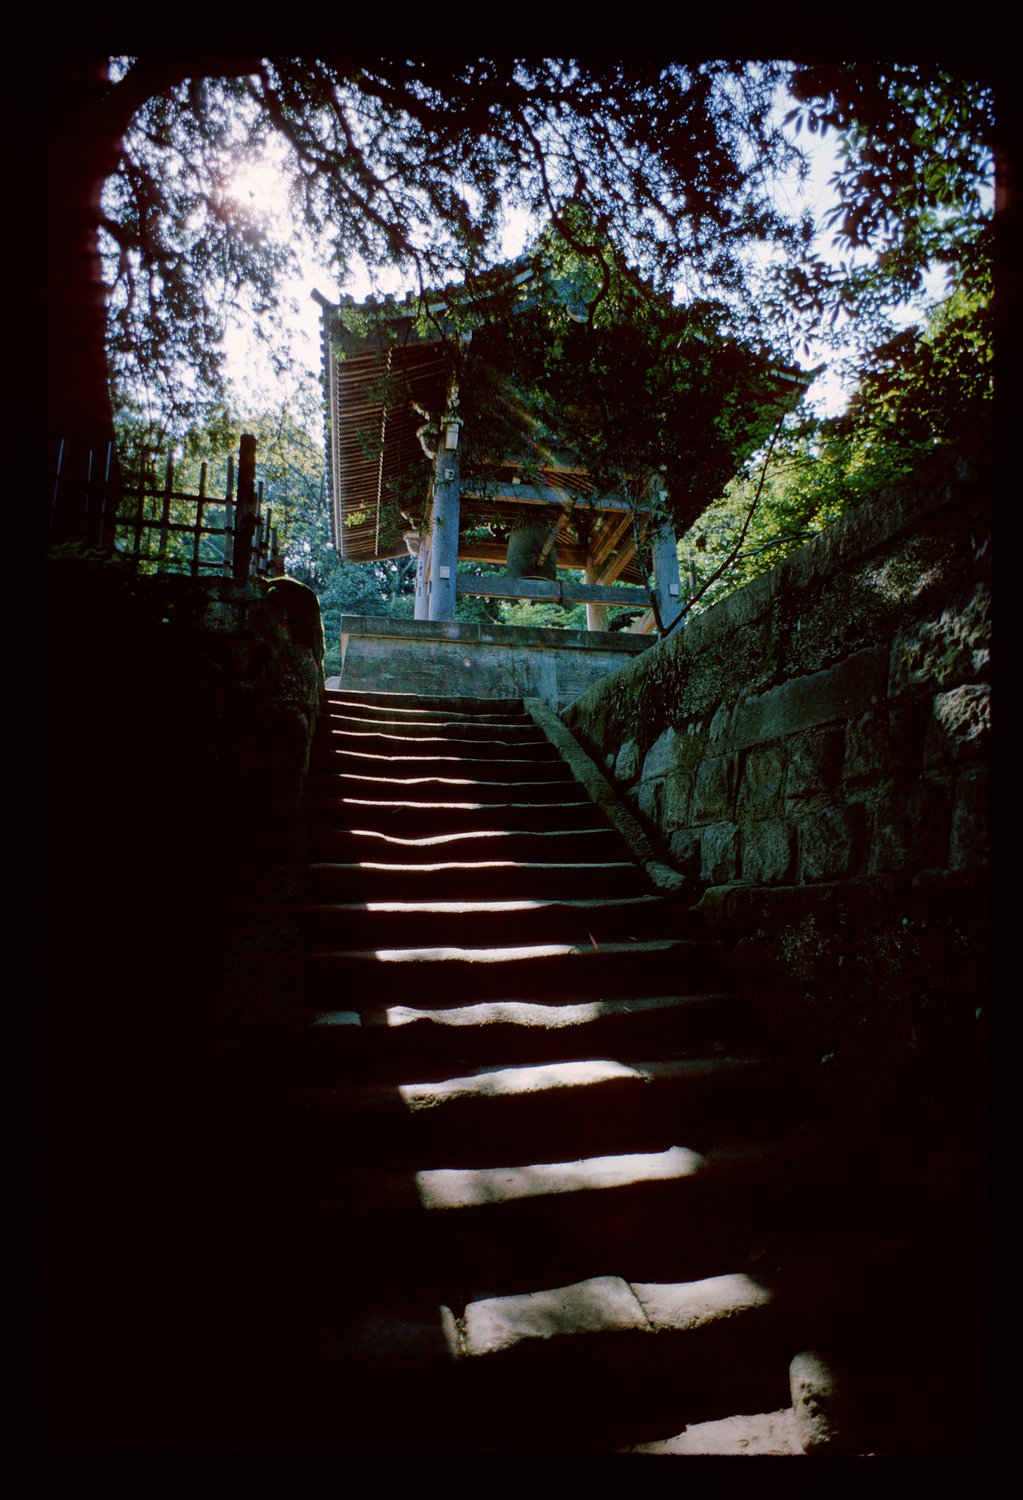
x=814 y=751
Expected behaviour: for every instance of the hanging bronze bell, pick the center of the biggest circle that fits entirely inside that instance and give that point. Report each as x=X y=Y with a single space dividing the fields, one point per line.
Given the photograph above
x=527 y=557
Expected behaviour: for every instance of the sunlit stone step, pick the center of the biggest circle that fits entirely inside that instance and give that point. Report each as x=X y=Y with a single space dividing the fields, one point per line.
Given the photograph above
x=472 y=708
x=374 y=783
x=460 y=1187
x=488 y=878
x=436 y=976
x=358 y=843
x=501 y=923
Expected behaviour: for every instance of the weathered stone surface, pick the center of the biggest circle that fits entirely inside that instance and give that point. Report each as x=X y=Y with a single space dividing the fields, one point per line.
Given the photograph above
x=720 y=722
x=911 y=830
x=660 y=758
x=770 y=1434
x=830 y=842
x=714 y=792
x=761 y=783
x=685 y=853
x=815 y=759
x=392 y=1338
x=678 y=797
x=816 y=1403
x=604 y=1304
x=627 y=762
x=768 y=848
x=687 y=1305
x=806 y=702
x=970 y=838
x=868 y=747
x=501 y=1082
x=468 y=1187
x=650 y=800
x=937 y=653
x=445 y=657
x=719 y=854
x=959 y=727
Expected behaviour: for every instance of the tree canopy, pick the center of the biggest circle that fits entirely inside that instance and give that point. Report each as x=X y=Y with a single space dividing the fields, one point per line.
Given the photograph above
x=666 y=167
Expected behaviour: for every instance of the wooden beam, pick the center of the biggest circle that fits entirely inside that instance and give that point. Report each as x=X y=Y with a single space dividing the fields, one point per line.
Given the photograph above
x=617 y=565
x=529 y=494
x=560 y=593
x=608 y=537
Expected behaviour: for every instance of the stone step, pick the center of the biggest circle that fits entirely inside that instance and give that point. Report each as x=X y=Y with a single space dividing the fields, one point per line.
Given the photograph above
x=417 y=819
x=339 y=722
x=573 y=845
x=440 y=976
x=498 y=745
x=406 y=762
x=583 y=1367
x=515 y=1031
x=478 y=922
x=552 y=1111
x=544 y=1095
x=420 y=705
x=378 y=785
x=489 y=879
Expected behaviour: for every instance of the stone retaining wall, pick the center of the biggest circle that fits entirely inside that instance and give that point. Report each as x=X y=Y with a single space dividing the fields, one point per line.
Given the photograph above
x=819 y=741
x=475 y=660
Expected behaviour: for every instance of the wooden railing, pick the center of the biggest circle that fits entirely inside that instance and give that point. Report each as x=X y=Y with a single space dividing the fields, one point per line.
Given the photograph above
x=162 y=528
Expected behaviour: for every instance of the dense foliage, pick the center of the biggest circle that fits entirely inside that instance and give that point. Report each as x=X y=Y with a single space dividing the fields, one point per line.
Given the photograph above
x=654 y=176
x=393 y=162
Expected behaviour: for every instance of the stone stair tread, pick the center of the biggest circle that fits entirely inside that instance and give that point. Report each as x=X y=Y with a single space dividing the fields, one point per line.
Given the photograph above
x=607 y=1304
x=491 y=877
x=546 y=1077
x=772 y=1434
x=428 y=703
x=499 y=840
x=495 y=955
x=455 y=908
x=492 y=809
x=555 y=787
x=465 y=1145
x=460 y=1187
x=441 y=732
x=375 y=1040
x=471 y=865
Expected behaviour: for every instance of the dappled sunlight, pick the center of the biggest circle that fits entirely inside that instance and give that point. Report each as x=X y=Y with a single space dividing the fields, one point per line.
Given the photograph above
x=474 y=955
x=466 y=1187
x=450 y=908
x=502 y=1012
x=404 y=781
x=470 y=865
x=373 y=755
x=381 y=734
x=435 y=838
x=418 y=807
x=535 y=1078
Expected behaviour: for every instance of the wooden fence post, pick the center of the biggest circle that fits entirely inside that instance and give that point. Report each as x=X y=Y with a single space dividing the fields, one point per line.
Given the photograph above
x=245 y=522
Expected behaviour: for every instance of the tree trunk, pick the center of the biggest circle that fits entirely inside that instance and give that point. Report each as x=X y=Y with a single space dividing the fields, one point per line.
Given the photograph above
x=85 y=146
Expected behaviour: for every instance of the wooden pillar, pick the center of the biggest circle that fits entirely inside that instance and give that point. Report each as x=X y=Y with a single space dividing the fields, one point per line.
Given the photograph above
x=667 y=584
x=245 y=521
x=444 y=515
x=596 y=614
x=422 y=578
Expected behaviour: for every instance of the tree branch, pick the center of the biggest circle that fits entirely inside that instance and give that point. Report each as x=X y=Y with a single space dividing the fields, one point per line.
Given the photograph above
x=740 y=539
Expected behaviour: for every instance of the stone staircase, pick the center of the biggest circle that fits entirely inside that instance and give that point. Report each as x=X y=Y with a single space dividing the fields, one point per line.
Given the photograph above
x=550 y=1191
